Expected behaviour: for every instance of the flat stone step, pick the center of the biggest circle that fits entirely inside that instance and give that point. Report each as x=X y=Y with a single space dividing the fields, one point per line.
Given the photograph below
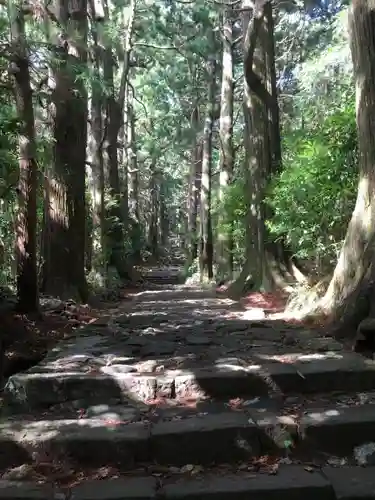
x=292 y=482
x=338 y=430
x=162 y=278
x=141 y=488
x=120 y=436
x=206 y=439
x=346 y=483
x=307 y=375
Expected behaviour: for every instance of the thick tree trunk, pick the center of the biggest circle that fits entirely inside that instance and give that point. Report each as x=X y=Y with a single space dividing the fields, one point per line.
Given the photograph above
x=350 y=295
x=133 y=181
x=193 y=193
x=64 y=270
x=96 y=141
x=114 y=121
x=27 y=281
x=206 y=243
x=267 y=262
x=225 y=237
x=153 y=233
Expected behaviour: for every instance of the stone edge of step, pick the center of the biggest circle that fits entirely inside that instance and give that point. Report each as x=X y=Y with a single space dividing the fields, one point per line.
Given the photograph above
x=262 y=432
x=345 y=483
x=327 y=375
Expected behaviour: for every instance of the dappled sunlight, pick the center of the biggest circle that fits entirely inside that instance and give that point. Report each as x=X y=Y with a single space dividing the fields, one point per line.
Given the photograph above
x=142 y=384
x=323 y=415
x=180 y=202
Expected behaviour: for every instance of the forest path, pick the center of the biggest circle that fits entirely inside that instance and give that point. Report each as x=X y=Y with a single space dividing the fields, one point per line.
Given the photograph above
x=175 y=395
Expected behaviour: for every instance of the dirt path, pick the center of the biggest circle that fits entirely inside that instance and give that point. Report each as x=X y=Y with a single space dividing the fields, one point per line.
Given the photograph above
x=179 y=387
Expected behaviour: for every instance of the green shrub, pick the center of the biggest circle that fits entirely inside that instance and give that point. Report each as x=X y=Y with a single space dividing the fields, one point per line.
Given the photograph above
x=313 y=197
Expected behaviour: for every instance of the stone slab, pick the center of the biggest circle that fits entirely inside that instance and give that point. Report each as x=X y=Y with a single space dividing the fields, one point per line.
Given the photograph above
x=140 y=387
x=217 y=382
x=338 y=430
x=292 y=482
x=22 y=490
x=132 y=488
x=224 y=437
x=284 y=375
x=38 y=390
x=352 y=483
x=321 y=344
x=85 y=441
x=347 y=372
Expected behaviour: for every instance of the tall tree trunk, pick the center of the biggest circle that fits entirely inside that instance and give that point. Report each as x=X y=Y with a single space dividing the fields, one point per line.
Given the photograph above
x=27 y=281
x=153 y=240
x=273 y=110
x=163 y=214
x=266 y=261
x=96 y=136
x=206 y=243
x=225 y=237
x=350 y=295
x=64 y=271
x=133 y=180
x=193 y=192
x=114 y=122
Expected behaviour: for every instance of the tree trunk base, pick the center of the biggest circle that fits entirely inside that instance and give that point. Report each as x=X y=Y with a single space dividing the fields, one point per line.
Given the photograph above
x=347 y=311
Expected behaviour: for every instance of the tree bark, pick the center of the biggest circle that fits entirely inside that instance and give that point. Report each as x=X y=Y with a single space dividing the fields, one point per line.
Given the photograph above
x=267 y=262
x=206 y=243
x=27 y=281
x=153 y=240
x=114 y=122
x=163 y=214
x=133 y=180
x=194 y=182
x=350 y=295
x=96 y=138
x=225 y=237
x=64 y=261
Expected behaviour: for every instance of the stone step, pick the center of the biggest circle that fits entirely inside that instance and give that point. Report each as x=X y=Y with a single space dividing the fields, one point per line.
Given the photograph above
x=99 y=442
x=308 y=375
x=338 y=430
x=120 y=436
x=162 y=278
x=292 y=482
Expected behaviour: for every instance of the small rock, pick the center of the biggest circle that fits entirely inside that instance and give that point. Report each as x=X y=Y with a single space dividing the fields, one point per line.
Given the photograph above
x=198 y=340
x=187 y=468
x=289 y=340
x=123 y=320
x=137 y=341
x=364 y=454
x=149 y=366
x=102 y=321
x=158 y=348
x=118 y=369
x=174 y=470
x=337 y=461
x=18 y=473
x=112 y=359
x=254 y=314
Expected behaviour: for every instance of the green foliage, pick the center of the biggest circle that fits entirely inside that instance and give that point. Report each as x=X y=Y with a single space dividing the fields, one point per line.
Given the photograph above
x=233 y=204
x=8 y=180
x=314 y=196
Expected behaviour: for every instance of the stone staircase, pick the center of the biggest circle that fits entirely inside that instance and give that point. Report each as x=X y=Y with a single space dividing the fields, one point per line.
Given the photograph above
x=178 y=398
x=162 y=276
